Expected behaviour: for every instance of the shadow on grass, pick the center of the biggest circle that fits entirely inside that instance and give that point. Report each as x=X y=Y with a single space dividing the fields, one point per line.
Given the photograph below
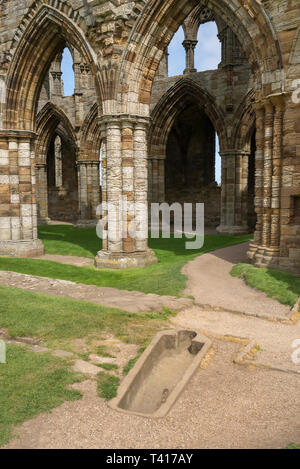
x=164 y=278
x=67 y=240
x=282 y=286
x=291 y=281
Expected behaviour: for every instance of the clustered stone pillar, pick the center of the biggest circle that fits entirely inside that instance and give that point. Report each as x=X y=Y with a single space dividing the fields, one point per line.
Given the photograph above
x=58 y=162
x=124 y=193
x=234 y=198
x=265 y=250
x=18 y=212
x=157 y=179
x=56 y=74
x=89 y=192
x=190 y=46
x=42 y=193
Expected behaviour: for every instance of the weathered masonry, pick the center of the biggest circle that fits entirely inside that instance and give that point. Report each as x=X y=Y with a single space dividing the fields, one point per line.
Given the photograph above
x=154 y=134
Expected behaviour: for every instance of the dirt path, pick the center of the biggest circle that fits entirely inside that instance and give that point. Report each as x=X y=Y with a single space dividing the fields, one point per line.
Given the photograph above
x=274 y=339
x=210 y=282
x=68 y=260
x=224 y=406
x=133 y=302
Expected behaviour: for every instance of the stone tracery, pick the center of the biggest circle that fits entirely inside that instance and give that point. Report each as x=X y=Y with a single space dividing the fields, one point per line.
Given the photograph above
x=117 y=50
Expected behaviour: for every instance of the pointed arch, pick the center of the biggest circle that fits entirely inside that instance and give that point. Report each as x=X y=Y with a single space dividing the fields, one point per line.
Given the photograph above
x=244 y=123
x=47 y=32
x=197 y=17
x=157 y=24
x=294 y=60
x=172 y=103
x=90 y=136
x=50 y=119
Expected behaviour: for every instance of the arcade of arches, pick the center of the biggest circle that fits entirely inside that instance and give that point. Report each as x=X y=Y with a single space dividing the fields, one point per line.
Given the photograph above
x=156 y=134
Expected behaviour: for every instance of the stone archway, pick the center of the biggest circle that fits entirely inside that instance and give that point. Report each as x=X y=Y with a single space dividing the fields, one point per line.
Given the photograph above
x=124 y=63
x=88 y=165
x=47 y=30
x=145 y=48
x=52 y=124
x=46 y=34
x=190 y=174
x=159 y=21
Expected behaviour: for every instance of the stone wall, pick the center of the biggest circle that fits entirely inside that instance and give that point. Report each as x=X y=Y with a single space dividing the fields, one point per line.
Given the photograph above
x=62 y=192
x=119 y=45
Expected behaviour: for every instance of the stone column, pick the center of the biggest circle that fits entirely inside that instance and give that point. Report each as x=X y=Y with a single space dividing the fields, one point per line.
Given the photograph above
x=56 y=75
x=268 y=170
x=265 y=251
x=234 y=213
x=88 y=192
x=125 y=191
x=190 y=46
x=18 y=211
x=259 y=171
x=279 y=104
x=42 y=193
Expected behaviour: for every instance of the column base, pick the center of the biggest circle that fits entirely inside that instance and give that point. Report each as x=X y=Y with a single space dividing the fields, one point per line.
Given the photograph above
x=43 y=221
x=233 y=230
x=123 y=260
x=86 y=224
x=34 y=248
x=264 y=257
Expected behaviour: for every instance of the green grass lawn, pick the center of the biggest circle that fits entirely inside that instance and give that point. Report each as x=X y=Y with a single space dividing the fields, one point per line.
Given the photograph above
x=59 y=320
x=68 y=241
x=281 y=286
x=165 y=278
x=30 y=384
x=107 y=386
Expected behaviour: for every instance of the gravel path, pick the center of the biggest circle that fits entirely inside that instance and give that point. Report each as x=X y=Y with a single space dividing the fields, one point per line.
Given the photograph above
x=210 y=283
x=224 y=406
x=274 y=339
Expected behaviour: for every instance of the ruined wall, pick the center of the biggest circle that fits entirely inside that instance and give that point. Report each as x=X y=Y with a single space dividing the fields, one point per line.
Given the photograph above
x=190 y=163
x=63 y=193
x=122 y=44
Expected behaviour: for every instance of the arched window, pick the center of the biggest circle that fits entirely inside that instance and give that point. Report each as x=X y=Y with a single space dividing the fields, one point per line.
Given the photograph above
x=176 y=54
x=218 y=163
x=68 y=75
x=208 y=52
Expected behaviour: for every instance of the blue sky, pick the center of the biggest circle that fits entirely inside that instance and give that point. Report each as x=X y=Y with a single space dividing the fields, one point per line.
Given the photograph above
x=68 y=73
x=207 y=57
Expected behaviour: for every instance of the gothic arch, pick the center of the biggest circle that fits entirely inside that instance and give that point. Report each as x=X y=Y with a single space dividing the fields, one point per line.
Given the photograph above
x=244 y=124
x=169 y=107
x=49 y=119
x=46 y=32
x=198 y=17
x=294 y=61
x=90 y=136
x=156 y=26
